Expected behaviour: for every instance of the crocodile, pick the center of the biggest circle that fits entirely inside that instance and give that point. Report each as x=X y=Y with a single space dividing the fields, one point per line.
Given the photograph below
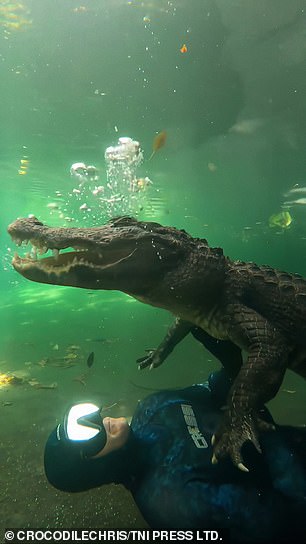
x=257 y=309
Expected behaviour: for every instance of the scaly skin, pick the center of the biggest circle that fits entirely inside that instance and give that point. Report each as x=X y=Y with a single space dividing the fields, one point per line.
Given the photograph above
x=257 y=308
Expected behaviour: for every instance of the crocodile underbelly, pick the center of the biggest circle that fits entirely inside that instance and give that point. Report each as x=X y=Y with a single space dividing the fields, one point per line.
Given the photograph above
x=214 y=329
x=212 y=322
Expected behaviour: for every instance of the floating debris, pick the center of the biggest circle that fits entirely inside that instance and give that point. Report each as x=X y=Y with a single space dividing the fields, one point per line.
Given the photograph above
x=97 y=190
x=282 y=220
x=85 y=207
x=46 y=386
x=24 y=165
x=70 y=356
x=102 y=340
x=61 y=363
x=73 y=347
x=141 y=184
x=158 y=142
x=212 y=167
x=81 y=379
x=9 y=379
x=43 y=362
x=90 y=359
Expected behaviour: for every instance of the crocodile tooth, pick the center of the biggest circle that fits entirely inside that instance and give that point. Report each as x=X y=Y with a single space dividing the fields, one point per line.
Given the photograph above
x=34 y=243
x=42 y=250
x=55 y=253
x=34 y=253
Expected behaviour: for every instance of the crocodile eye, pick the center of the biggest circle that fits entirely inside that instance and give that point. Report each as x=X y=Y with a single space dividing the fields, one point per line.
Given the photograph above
x=35 y=221
x=122 y=220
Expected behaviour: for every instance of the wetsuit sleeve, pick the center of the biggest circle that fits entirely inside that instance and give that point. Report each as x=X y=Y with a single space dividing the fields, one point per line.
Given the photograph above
x=226 y=352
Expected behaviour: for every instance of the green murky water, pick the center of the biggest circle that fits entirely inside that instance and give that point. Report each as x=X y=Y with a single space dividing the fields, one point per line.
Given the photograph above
x=76 y=76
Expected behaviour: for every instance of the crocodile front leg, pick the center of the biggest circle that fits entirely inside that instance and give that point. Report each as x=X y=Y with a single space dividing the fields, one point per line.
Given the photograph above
x=257 y=382
x=175 y=334
x=228 y=353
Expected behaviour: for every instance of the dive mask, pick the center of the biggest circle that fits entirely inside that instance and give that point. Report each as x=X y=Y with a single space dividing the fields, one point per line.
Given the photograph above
x=83 y=429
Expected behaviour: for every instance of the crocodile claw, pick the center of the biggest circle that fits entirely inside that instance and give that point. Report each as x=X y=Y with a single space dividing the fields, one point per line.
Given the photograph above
x=147 y=360
x=152 y=359
x=229 y=440
x=242 y=467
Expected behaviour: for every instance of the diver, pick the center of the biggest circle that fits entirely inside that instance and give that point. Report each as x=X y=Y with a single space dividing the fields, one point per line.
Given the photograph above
x=164 y=458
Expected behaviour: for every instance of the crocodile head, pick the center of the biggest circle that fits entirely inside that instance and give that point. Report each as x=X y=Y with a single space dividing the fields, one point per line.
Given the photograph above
x=151 y=262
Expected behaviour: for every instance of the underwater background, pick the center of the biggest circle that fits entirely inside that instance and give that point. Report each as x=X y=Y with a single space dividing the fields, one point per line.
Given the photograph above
x=224 y=82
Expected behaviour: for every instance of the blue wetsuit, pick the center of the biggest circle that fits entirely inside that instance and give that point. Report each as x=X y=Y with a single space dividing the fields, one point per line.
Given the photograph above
x=177 y=486
x=166 y=464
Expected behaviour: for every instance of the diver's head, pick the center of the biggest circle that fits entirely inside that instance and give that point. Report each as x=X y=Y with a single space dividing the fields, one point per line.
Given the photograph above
x=81 y=452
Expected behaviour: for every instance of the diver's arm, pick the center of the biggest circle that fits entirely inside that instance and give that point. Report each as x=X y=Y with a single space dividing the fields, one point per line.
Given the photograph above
x=225 y=351
x=175 y=334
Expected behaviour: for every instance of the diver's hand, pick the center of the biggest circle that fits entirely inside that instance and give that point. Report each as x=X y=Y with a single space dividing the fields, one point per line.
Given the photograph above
x=151 y=360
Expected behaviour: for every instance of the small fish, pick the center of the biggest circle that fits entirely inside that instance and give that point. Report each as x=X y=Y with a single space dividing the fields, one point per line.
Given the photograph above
x=247 y=126
x=45 y=385
x=282 y=220
x=90 y=359
x=299 y=202
x=290 y=391
x=158 y=142
x=296 y=189
x=102 y=340
x=183 y=49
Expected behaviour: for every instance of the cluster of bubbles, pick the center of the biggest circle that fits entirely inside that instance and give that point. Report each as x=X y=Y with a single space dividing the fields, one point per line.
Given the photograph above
x=122 y=192
x=84 y=173
x=122 y=162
